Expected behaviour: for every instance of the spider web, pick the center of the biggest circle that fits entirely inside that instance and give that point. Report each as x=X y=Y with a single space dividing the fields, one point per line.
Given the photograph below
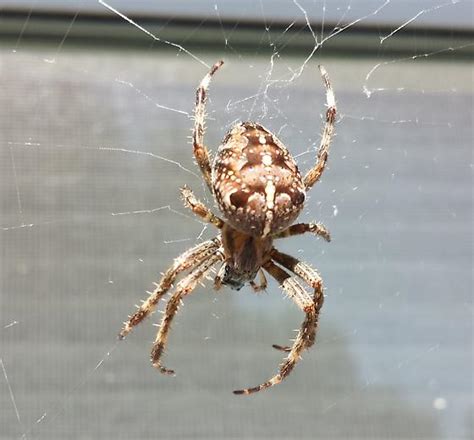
x=95 y=144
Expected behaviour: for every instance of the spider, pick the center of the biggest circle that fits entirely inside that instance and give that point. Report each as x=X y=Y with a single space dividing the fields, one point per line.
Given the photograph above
x=260 y=193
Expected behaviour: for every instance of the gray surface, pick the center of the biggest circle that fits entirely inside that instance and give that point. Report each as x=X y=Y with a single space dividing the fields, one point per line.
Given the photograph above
x=396 y=329
x=456 y=13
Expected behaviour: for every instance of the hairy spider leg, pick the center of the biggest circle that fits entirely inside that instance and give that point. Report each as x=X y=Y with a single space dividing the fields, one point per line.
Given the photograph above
x=310 y=276
x=302 y=228
x=187 y=260
x=184 y=287
x=314 y=174
x=200 y=151
x=305 y=336
x=201 y=210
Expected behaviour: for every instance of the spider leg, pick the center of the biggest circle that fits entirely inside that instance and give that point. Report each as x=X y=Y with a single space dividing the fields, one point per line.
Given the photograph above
x=302 y=228
x=303 y=270
x=314 y=174
x=199 y=208
x=200 y=151
x=262 y=282
x=184 y=287
x=305 y=337
x=308 y=274
x=187 y=260
x=219 y=277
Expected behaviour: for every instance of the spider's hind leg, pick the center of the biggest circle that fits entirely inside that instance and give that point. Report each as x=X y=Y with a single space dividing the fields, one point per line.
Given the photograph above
x=308 y=274
x=305 y=336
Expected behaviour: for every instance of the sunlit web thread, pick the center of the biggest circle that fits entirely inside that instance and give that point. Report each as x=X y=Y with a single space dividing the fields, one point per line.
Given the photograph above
x=29 y=144
x=68 y=30
x=12 y=396
x=147 y=153
x=117 y=149
x=122 y=82
x=368 y=92
x=11 y=324
x=422 y=12
x=151 y=211
x=17 y=187
x=147 y=32
x=225 y=35
x=164 y=107
x=265 y=84
x=25 y=25
x=395 y=121
x=336 y=31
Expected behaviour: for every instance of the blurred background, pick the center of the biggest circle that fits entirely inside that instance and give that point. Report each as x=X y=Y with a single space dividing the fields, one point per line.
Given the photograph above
x=95 y=117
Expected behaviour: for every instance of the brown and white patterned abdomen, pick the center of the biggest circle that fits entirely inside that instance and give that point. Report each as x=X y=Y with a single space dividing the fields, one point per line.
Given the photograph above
x=256 y=182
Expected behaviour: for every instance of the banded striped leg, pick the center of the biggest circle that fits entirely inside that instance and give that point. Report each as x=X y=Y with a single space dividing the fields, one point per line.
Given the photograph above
x=199 y=208
x=200 y=151
x=302 y=228
x=189 y=259
x=310 y=276
x=305 y=302
x=314 y=174
x=184 y=287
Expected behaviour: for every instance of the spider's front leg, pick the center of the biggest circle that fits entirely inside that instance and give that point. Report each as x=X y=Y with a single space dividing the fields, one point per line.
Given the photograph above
x=313 y=175
x=200 y=151
x=184 y=287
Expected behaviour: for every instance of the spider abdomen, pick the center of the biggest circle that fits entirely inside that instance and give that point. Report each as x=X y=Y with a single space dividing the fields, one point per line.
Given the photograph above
x=256 y=181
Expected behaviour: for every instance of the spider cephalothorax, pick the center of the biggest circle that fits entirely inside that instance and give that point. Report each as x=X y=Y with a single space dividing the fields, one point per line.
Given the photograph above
x=260 y=192
x=244 y=255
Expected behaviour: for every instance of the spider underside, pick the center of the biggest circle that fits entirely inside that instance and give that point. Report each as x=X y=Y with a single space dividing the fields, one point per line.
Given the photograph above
x=260 y=192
